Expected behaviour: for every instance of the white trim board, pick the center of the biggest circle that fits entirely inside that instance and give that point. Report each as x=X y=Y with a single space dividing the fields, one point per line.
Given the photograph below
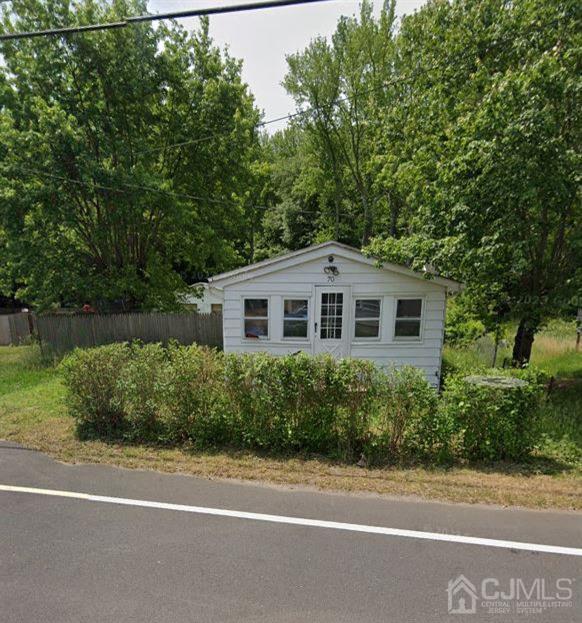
x=320 y=251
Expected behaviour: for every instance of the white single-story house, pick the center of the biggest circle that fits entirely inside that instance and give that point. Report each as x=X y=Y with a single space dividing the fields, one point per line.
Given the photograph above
x=330 y=298
x=204 y=299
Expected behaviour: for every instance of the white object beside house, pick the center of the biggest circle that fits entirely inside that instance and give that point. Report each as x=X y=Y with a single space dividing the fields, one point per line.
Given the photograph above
x=330 y=298
x=205 y=299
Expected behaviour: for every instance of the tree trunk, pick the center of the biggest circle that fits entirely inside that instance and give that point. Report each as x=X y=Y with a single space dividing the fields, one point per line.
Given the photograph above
x=495 y=350
x=252 y=238
x=337 y=217
x=367 y=221
x=523 y=343
x=394 y=213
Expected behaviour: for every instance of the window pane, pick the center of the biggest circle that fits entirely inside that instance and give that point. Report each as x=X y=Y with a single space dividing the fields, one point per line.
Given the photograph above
x=295 y=328
x=216 y=308
x=407 y=328
x=367 y=328
x=368 y=308
x=257 y=307
x=409 y=308
x=331 y=315
x=295 y=308
x=332 y=298
x=256 y=328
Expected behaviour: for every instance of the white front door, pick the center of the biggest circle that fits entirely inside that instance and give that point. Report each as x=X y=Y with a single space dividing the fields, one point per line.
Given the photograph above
x=331 y=321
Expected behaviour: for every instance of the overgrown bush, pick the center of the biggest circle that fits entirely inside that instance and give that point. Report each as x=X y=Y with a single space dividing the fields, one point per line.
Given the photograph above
x=340 y=408
x=256 y=392
x=355 y=384
x=492 y=421
x=140 y=384
x=461 y=327
x=95 y=396
x=302 y=402
x=408 y=420
x=193 y=405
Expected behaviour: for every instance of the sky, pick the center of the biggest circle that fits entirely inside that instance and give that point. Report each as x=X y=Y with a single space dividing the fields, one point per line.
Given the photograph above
x=262 y=39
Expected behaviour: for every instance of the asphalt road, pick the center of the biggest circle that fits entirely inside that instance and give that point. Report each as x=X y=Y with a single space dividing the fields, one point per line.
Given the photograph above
x=67 y=559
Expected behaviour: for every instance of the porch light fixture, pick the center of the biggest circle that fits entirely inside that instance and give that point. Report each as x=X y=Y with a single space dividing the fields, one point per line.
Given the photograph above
x=331 y=271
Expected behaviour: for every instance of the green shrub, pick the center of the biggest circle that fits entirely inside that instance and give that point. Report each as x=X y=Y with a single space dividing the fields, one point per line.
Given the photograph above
x=95 y=398
x=193 y=403
x=462 y=328
x=355 y=388
x=492 y=422
x=300 y=402
x=306 y=402
x=340 y=408
x=408 y=422
x=140 y=385
x=255 y=392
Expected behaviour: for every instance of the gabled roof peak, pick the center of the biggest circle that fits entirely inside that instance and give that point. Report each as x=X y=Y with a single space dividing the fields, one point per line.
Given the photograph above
x=313 y=252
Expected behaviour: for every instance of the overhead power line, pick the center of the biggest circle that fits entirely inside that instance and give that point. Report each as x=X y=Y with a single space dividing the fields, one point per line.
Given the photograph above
x=498 y=43
x=128 y=188
x=137 y=19
x=125 y=188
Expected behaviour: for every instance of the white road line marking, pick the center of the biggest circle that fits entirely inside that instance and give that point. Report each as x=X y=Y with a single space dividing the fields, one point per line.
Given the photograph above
x=300 y=521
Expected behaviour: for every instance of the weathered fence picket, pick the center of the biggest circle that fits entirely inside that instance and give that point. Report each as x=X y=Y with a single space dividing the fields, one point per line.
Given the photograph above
x=60 y=333
x=15 y=329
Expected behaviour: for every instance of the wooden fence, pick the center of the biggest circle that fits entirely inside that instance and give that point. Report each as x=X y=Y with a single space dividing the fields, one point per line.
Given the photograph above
x=15 y=329
x=61 y=333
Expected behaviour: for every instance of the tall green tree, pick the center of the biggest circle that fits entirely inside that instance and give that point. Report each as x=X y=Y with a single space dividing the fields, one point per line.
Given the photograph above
x=342 y=83
x=302 y=199
x=484 y=148
x=97 y=203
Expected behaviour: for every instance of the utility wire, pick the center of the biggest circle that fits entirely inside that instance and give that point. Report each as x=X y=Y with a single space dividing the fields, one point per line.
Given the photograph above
x=129 y=188
x=388 y=83
x=137 y=19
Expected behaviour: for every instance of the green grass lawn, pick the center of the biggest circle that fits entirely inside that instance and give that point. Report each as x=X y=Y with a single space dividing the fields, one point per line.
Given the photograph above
x=33 y=413
x=31 y=392
x=553 y=351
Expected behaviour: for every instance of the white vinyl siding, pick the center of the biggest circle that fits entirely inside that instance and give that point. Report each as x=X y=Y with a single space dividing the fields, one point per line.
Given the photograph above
x=367 y=282
x=207 y=301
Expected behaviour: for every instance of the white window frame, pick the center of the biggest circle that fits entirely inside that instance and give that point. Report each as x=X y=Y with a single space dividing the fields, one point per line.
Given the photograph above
x=371 y=297
x=403 y=338
x=260 y=338
x=295 y=297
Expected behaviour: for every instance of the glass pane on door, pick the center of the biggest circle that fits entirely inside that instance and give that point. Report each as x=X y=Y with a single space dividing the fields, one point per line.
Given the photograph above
x=332 y=311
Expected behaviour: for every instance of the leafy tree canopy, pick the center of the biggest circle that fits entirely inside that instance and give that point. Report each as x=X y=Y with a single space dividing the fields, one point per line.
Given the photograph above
x=451 y=138
x=485 y=146
x=453 y=141
x=96 y=202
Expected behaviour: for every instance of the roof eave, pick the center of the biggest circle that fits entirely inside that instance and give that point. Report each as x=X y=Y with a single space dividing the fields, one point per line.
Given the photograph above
x=246 y=272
